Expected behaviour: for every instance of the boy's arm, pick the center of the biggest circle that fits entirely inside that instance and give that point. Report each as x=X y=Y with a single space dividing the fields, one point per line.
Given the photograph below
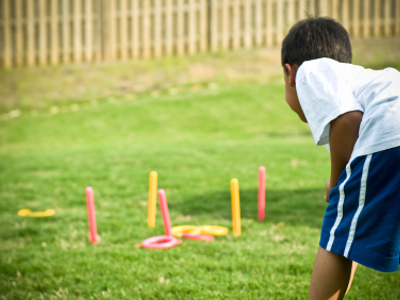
x=343 y=134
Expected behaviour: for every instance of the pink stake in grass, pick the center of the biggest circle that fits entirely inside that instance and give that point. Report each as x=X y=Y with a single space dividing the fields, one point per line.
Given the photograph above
x=164 y=211
x=261 y=193
x=91 y=214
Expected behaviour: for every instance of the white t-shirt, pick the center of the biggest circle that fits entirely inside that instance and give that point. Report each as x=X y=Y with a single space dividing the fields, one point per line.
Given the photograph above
x=327 y=89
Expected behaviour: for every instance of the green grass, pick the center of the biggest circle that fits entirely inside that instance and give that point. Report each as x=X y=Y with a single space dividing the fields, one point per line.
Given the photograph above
x=196 y=141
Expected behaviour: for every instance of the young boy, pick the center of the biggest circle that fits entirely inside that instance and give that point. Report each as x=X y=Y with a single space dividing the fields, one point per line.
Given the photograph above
x=355 y=112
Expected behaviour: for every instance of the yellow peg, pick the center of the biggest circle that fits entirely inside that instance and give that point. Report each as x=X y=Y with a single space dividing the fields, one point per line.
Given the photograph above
x=151 y=218
x=235 y=207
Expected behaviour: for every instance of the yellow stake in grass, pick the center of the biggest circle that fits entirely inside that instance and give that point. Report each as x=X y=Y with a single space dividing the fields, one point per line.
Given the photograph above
x=151 y=218
x=235 y=207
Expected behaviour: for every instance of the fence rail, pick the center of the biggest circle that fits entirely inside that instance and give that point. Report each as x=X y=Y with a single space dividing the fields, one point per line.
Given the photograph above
x=40 y=32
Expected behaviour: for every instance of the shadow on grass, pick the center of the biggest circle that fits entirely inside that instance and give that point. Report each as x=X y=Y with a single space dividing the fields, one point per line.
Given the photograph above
x=293 y=207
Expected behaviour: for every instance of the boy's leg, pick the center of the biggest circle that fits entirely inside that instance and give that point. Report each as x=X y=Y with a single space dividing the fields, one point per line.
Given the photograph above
x=353 y=270
x=330 y=276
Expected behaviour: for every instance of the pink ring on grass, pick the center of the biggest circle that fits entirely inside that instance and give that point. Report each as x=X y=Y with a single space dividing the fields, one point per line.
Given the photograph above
x=200 y=237
x=161 y=242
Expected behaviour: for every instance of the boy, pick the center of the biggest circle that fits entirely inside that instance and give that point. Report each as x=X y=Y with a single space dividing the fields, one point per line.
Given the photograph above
x=355 y=112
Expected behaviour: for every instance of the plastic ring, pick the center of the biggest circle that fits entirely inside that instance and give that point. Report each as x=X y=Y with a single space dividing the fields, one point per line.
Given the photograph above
x=200 y=237
x=206 y=229
x=47 y=213
x=24 y=212
x=39 y=214
x=161 y=242
x=214 y=230
x=180 y=230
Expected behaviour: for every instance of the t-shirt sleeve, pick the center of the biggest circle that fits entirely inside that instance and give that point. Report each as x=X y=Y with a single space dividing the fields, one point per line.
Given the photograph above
x=324 y=94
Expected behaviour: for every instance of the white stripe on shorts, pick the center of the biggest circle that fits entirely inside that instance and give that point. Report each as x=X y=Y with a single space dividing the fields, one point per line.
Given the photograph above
x=339 y=208
x=361 y=202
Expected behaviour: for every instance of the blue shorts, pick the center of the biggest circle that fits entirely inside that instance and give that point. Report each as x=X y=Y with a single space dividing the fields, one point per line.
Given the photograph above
x=362 y=220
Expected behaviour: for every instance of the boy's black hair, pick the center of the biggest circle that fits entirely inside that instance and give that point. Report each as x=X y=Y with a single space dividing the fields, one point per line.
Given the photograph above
x=316 y=37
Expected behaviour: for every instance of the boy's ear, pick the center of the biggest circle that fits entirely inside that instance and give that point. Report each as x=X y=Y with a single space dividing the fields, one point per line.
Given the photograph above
x=292 y=70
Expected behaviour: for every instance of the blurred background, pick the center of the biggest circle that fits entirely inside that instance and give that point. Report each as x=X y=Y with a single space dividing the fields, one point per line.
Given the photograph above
x=62 y=52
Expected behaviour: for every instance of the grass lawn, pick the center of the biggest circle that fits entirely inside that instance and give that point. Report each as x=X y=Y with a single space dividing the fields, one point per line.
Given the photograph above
x=197 y=140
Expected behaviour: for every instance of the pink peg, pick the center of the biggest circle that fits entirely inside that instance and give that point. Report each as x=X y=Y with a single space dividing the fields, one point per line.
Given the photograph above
x=164 y=211
x=91 y=214
x=261 y=193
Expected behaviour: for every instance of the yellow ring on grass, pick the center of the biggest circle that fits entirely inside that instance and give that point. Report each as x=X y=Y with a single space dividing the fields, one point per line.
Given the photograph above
x=24 y=212
x=206 y=229
x=39 y=214
x=179 y=230
x=214 y=230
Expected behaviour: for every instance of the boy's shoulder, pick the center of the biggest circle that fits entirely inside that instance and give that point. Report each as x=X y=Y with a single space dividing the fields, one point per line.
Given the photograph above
x=329 y=65
x=324 y=64
x=329 y=72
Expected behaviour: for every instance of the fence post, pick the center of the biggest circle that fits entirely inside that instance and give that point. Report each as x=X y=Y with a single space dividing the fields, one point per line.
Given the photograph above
x=146 y=29
x=397 y=14
x=77 y=31
x=135 y=28
x=157 y=28
x=105 y=29
x=312 y=10
x=112 y=22
x=180 y=43
x=7 y=34
x=387 y=18
x=97 y=37
x=214 y=36
x=356 y=18
x=42 y=33
x=345 y=14
x=19 y=51
x=192 y=26
x=168 y=27
x=236 y=30
x=88 y=31
x=335 y=9
x=65 y=32
x=248 y=32
x=225 y=24
x=203 y=25
x=268 y=21
x=279 y=25
x=30 y=34
x=377 y=20
x=259 y=23
x=109 y=32
x=323 y=9
x=366 y=23
x=302 y=9
x=123 y=29
x=290 y=13
x=54 y=32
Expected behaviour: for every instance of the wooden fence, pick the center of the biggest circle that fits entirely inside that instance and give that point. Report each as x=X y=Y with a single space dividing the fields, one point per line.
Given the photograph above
x=40 y=32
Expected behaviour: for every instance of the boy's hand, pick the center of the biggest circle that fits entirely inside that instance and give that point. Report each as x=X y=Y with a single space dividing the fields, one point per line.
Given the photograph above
x=327 y=191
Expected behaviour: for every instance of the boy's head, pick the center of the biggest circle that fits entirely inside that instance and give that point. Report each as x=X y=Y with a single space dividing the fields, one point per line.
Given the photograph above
x=315 y=38
x=309 y=39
